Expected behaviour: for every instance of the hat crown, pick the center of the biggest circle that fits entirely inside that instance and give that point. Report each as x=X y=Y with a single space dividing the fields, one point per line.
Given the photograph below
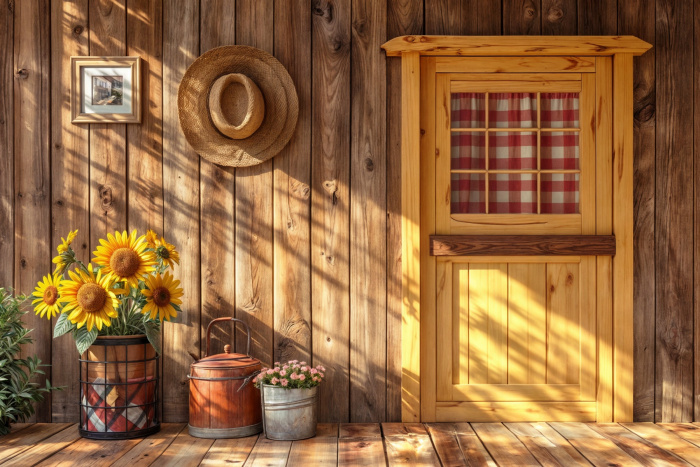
x=236 y=105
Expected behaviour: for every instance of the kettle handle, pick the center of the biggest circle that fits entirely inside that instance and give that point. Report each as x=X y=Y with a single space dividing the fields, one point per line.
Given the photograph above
x=247 y=331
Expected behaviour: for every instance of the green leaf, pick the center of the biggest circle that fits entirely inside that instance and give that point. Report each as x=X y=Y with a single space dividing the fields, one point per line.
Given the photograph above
x=84 y=339
x=63 y=325
x=152 y=328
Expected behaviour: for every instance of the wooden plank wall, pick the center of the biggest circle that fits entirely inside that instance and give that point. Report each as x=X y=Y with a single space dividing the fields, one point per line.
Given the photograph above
x=306 y=247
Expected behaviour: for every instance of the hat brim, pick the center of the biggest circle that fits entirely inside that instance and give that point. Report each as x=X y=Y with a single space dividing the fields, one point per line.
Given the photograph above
x=279 y=94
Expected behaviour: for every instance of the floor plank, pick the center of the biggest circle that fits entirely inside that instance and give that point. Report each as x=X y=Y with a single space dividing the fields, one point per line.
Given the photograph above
x=446 y=444
x=504 y=446
x=360 y=430
x=184 y=451
x=149 y=449
x=21 y=440
x=546 y=445
x=474 y=451
x=408 y=444
x=594 y=446
x=89 y=452
x=44 y=449
x=360 y=444
x=230 y=451
x=687 y=431
x=640 y=449
x=327 y=430
x=269 y=453
x=315 y=451
x=19 y=426
x=667 y=440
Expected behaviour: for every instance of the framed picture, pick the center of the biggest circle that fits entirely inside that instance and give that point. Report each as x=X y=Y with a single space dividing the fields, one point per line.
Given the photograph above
x=105 y=89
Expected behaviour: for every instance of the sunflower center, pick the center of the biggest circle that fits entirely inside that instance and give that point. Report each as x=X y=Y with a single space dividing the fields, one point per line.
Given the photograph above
x=163 y=252
x=91 y=297
x=50 y=295
x=161 y=296
x=125 y=262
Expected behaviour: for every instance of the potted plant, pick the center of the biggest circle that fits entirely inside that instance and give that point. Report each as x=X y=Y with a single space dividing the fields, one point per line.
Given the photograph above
x=113 y=309
x=289 y=399
x=18 y=392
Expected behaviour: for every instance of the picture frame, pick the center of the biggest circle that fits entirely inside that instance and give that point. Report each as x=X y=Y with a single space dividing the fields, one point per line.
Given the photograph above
x=105 y=89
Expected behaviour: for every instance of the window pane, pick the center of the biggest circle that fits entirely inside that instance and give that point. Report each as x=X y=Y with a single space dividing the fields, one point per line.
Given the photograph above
x=468 y=194
x=512 y=110
x=512 y=193
x=468 y=150
x=511 y=150
x=559 y=150
x=559 y=193
x=468 y=110
x=559 y=110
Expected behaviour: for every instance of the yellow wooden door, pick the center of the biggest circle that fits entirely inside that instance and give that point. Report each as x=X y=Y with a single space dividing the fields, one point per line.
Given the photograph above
x=516 y=337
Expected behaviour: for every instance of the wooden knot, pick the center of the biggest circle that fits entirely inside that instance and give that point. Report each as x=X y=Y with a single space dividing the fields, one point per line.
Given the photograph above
x=22 y=73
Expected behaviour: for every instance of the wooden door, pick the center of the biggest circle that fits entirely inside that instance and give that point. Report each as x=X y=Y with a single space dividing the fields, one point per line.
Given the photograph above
x=516 y=336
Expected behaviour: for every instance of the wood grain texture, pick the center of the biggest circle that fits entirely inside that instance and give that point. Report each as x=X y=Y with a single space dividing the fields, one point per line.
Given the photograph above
x=546 y=445
x=598 y=449
x=503 y=445
x=403 y=17
x=696 y=213
x=87 y=452
x=330 y=215
x=674 y=213
x=666 y=440
x=522 y=245
x=522 y=17
x=185 y=450
x=217 y=28
x=368 y=214
x=149 y=449
x=70 y=203
x=597 y=17
x=7 y=136
x=46 y=448
x=636 y=447
x=559 y=17
x=108 y=189
x=181 y=204
x=18 y=442
x=254 y=213
x=637 y=18
x=230 y=451
x=292 y=192
x=32 y=178
x=446 y=445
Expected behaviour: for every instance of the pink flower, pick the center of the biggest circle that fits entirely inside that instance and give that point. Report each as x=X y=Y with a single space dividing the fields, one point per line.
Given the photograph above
x=285 y=367
x=269 y=372
x=277 y=363
x=302 y=363
x=277 y=368
x=275 y=380
x=283 y=373
x=302 y=377
x=285 y=382
x=294 y=361
x=315 y=378
x=304 y=368
x=321 y=368
x=314 y=371
x=293 y=376
x=320 y=375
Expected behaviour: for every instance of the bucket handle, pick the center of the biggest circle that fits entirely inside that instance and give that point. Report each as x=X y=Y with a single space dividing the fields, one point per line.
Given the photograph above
x=247 y=331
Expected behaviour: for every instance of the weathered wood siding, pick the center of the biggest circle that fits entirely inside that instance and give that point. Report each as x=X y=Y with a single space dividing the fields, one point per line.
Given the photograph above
x=306 y=247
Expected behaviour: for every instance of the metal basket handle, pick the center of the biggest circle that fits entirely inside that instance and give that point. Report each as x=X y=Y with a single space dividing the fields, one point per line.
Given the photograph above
x=247 y=331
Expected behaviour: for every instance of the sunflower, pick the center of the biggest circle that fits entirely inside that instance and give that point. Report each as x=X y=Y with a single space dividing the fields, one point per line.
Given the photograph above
x=65 y=256
x=46 y=292
x=89 y=300
x=124 y=257
x=65 y=242
x=167 y=252
x=151 y=238
x=162 y=296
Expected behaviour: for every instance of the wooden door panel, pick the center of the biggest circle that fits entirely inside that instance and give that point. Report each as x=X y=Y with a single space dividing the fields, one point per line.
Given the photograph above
x=512 y=332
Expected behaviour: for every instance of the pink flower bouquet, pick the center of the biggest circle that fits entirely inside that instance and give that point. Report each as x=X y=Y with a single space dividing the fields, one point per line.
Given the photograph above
x=293 y=374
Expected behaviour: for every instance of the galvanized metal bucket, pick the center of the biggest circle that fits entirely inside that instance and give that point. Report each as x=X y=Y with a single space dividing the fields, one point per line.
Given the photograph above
x=289 y=414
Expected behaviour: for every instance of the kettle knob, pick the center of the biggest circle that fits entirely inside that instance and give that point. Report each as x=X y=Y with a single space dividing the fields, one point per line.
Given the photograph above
x=227 y=348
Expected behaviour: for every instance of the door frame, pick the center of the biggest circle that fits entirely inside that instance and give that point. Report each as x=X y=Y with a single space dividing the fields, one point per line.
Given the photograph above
x=614 y=83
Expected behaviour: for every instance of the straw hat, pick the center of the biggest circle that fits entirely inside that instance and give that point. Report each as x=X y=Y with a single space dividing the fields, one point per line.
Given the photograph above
x=237 y=105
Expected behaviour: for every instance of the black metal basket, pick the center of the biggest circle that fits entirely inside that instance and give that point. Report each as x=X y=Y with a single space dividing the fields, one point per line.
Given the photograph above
x=118 y=394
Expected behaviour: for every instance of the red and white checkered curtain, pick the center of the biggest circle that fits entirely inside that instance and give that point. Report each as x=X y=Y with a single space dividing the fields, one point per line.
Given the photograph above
x=515 y=193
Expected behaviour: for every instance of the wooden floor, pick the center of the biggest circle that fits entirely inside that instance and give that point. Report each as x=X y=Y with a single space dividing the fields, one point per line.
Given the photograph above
x=507 y=444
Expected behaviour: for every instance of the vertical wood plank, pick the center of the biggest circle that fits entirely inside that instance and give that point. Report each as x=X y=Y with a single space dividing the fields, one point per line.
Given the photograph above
x=522 y=17
x=559 y=17
x=144 y=32
x=70 y=204
x=368 y=214
x=597 y=17
x=563 y=324
x=674 y=212
x=447 y=308
x=403 y=17
x=451 y=17
x=32 y=178
x=696 y=208
x=292 y=192
x=637 y=18
x=216 y=183
x=527 y=324
x=181 y=210
x=489 y=18
x=107 y=25
x=330 y=243
x=254 y=216
x=7 y=194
